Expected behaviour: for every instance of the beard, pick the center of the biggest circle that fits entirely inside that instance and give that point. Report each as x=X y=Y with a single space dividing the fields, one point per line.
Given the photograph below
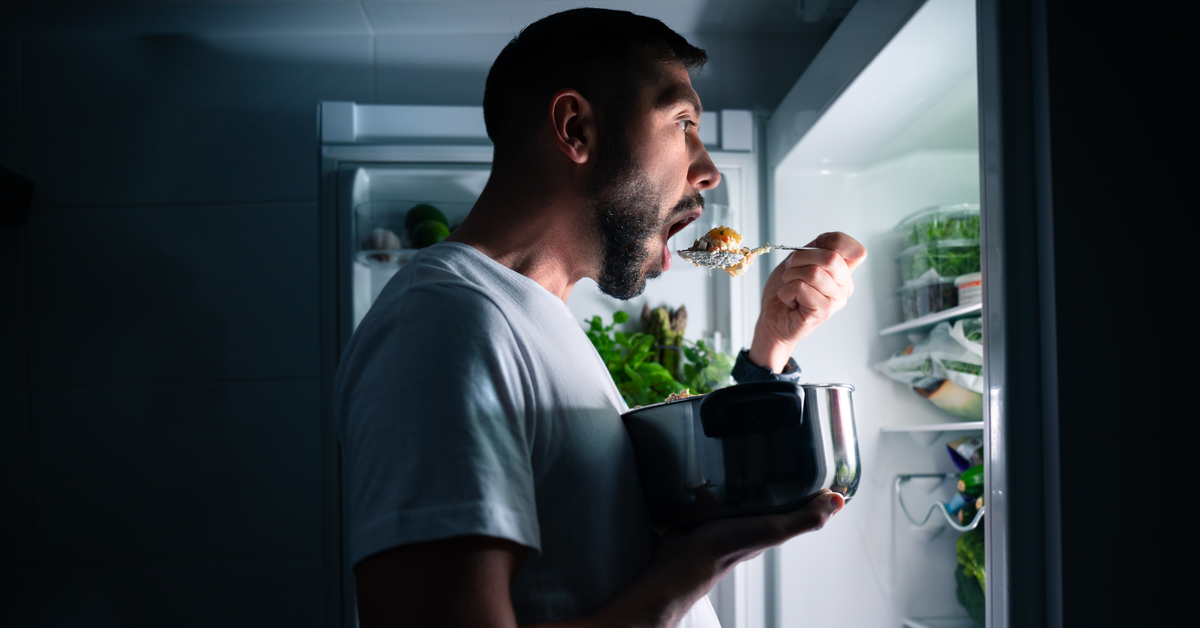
x=625 y=209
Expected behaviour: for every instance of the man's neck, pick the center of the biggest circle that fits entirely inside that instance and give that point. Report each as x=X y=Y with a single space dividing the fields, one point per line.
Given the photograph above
x=534 y=229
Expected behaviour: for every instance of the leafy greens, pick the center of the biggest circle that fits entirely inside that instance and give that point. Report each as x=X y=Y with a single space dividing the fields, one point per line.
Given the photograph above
x=633 y=362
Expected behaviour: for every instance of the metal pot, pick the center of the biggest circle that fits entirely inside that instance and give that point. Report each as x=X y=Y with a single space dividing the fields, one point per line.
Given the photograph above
x=748 y=449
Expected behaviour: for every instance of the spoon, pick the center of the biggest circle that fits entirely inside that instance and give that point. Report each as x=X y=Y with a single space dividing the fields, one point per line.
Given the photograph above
x=725 y=259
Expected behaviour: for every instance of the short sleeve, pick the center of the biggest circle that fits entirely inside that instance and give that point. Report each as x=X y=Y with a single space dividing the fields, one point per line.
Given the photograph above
x=436 y=437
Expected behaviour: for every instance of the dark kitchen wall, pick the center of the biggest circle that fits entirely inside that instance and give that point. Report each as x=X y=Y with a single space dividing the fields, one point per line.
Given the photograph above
x=161 y=461
x=159 y=402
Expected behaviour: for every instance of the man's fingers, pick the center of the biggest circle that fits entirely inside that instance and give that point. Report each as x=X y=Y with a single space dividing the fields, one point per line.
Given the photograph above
x=821 y=278
x=798 y=295
x=814 y=516
x=827 y=260
x=850 y=249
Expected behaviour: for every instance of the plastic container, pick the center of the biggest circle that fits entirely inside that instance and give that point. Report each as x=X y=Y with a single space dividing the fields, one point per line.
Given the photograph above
x=940 y=259
x=942 y=222
x=970 y=288
x=922 y=297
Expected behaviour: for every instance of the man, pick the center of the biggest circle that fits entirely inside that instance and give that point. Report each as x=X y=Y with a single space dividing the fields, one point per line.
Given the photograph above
x=489 y=478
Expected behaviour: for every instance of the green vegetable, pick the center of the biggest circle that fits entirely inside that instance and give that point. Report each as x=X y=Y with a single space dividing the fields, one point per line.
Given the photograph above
x=970 y=552
x=422 y=212
x=949 y=260
x=667 y=328
x=963 y=367
x=708 y=369
x=973 y=329
x=970 y=595
x=970 y=483
x=429 y=233
x=631 y=360
x=963 y=227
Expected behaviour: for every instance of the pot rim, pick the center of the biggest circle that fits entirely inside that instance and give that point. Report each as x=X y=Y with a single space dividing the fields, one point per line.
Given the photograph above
x=850 y=387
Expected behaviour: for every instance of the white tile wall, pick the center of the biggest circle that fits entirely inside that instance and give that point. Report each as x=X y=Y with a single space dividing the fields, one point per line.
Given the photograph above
x=171 y=293
x=176 y=471
x=442 y=69
x=181 y=594
x=181 y=119
x=16 y=596
x=10 y=98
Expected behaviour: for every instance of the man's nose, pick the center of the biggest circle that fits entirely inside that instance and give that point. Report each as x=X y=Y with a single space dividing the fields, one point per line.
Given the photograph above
x=703 y=175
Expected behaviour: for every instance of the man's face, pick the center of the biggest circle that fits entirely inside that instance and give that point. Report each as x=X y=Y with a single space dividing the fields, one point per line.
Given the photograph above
x=647 y=181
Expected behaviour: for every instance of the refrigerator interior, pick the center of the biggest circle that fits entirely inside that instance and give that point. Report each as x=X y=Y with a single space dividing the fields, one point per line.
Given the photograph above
x=901 y=137
x=378 y=195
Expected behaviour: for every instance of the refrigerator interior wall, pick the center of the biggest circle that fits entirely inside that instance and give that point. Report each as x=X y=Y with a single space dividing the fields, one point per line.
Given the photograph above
x=379 y=196
x=903 y=136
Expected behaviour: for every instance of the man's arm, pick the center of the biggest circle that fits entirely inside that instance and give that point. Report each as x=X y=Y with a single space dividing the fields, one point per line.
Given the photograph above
x=465 y=581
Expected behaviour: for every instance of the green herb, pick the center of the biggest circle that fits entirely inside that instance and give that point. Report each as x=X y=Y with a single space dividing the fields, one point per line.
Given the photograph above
x=948 y=261
x=973 y=329
x=707 y=369
x=942 y=228
x=632 y=361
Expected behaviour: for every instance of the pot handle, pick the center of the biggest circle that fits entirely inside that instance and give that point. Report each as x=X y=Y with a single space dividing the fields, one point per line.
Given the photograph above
x=754 y=408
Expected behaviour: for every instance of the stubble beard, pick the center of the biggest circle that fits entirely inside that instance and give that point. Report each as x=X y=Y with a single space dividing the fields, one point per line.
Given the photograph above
x=625 y=209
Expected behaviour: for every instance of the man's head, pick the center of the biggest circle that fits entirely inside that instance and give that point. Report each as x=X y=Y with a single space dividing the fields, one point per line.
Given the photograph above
x=631 y=71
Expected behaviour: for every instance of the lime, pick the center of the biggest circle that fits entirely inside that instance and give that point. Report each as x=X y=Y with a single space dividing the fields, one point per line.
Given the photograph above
x=420 y=213
x=429 y=232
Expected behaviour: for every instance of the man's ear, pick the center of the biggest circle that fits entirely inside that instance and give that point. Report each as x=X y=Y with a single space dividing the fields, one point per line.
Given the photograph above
x=574 y=125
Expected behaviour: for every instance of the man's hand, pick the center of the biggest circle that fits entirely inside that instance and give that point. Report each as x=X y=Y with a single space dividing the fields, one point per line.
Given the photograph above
x=803 y=292
x=465 y=581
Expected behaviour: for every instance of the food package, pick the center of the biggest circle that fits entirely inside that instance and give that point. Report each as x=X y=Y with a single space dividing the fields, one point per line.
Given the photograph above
x=966 y=452
x=946 y=367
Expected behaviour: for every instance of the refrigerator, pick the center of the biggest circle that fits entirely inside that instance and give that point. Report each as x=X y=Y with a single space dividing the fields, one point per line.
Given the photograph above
x=884 y=123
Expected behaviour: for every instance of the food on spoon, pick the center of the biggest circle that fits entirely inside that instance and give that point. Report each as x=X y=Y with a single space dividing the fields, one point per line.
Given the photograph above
x=719 y=239
x=726 y=240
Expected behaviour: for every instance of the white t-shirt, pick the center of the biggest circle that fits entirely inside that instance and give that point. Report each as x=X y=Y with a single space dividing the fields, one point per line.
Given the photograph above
x=470 y=401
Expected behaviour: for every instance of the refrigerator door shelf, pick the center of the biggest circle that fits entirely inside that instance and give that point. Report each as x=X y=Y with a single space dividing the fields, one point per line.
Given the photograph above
x=928 y=434
x=385 y=258
x=929 y=320
x=939 y=622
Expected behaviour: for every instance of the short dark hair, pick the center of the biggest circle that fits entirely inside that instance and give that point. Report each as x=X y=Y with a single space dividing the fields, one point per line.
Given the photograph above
x=607 y=56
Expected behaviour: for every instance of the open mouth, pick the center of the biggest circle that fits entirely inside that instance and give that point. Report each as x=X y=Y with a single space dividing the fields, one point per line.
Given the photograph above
x=681 y=223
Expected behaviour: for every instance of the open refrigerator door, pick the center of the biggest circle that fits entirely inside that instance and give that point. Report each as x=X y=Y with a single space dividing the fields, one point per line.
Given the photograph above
x=892 y=157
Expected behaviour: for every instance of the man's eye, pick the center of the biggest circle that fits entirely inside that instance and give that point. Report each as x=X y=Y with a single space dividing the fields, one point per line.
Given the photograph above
x=684 y=125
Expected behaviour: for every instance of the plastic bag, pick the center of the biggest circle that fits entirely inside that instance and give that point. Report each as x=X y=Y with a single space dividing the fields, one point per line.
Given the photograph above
x=946 y=367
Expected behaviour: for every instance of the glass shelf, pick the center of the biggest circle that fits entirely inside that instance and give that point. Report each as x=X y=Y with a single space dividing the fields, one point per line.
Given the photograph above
x=385 y=258
x=929 y=320
x=939 y=622
x=928 y=434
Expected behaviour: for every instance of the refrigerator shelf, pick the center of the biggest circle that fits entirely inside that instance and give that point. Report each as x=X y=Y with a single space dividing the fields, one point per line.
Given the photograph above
x=385 y=258
x=939 y=622
x=929 y=320
x=928 y=434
